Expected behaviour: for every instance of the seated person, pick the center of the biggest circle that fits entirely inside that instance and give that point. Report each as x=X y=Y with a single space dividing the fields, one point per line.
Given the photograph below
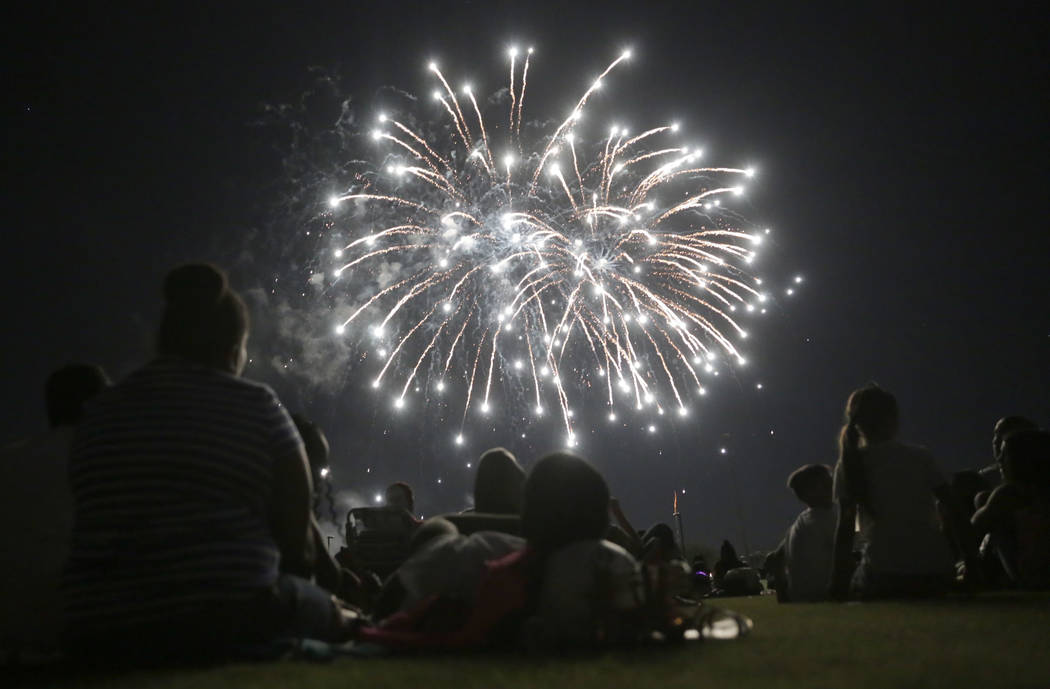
x=589 y=588
x=497 y=496
x=727 y=560
x=192 y=495
x=993 y=473
x=802 y=568
x=399 y=495
x=894 y=488
x=34 y=495
x=1017 y=515
x=499 y=483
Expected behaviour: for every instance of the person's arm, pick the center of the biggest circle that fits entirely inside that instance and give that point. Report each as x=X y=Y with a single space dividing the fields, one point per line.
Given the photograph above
x=842 y=563
x=999 y=505
x=290 y=514
x=961 y=530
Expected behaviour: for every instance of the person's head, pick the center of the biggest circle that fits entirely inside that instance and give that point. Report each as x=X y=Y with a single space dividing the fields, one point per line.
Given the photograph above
x=400 y=495
x=873 y=412
x=204 y=321
x=871 y=418
x=566 y=500
x=659 y=543
x=499 y=483
x=811 y=484
x=68 y=389
x=316 y=445
x=1026 y=458
x=431 y=530
x=1004 y=427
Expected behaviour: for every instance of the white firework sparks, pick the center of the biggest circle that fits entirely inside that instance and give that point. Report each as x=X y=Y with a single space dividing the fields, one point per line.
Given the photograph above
x=606 y=267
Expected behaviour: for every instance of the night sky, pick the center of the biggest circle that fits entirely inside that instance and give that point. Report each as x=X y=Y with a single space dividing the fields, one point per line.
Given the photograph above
x=903 y=167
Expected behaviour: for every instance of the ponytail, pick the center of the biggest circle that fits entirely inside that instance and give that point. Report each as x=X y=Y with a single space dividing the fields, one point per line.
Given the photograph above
x=851 y=459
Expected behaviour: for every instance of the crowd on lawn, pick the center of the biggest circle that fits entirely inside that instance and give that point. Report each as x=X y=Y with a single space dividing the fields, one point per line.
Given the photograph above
x=175 y=514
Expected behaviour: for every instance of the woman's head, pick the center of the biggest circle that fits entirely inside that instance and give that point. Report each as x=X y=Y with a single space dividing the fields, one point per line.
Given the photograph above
x=873 y=412
x=566 y=500
x=204 y=320
x=499 y=483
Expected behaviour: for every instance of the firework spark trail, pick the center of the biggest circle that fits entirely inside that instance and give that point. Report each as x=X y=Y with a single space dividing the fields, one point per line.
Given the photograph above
x=613 y=283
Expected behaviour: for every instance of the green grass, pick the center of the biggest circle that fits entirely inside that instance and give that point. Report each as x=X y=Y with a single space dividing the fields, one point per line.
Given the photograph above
x=996 y=640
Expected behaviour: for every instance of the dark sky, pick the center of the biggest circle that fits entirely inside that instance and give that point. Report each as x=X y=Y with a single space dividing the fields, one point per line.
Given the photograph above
x=903 y=161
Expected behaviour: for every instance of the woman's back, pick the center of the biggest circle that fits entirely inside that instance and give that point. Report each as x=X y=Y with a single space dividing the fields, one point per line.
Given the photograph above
x=171 y=479
x=898 y=517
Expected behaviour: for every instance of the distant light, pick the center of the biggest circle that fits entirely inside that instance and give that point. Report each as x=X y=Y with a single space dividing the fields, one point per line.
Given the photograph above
x=738 y=190
x=338 y=253
x=466 y=89
x=750 y=172
x=759 y=386
x=530 y=50
x=485 y=408
x=674 y=126
x=612 y=416
x=682 y=411
x=378 y=498
x=333 y=201
x=798 y=279
x=722 y=450
x=432 y=66
x=459 y=439
x=340 y=329
x=513 y=51
x=382 y=117
x=469 y=465
x=652 y=429
x=399 y=403
x=324 y=472
x=626 y=54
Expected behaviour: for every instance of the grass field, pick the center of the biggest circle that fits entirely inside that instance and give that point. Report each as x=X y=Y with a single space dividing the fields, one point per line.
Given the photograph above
x=995 y=640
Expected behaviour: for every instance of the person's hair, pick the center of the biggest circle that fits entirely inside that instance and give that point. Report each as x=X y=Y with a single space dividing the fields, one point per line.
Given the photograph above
x=811 y=484
x=499 y=483
x=430 y=530
x=873 y=413
x=566 y=500
x=68 y=389
x=1009 y=424
x=1026 y=459
x=204 y=320
x=407 y=489
x=316 y=445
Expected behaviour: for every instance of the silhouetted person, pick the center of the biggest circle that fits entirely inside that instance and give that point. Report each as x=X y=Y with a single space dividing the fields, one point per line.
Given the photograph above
x=893 y=487
x=1017 y=515
x=586 y=584
x=192 y=492
x=499 y=482
x=330 y=575
x=401 y=496
x=727 y=560
x=36 y=511
x=803 y=564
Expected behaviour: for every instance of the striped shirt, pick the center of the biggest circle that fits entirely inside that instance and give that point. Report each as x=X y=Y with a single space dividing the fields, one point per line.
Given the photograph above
x=171 y=475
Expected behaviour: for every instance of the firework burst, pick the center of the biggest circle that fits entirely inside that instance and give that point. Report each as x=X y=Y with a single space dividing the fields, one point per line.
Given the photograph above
x=563 y=267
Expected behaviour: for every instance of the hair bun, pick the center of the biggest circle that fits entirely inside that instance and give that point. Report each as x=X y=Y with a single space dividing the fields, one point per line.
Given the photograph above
x=194 y=284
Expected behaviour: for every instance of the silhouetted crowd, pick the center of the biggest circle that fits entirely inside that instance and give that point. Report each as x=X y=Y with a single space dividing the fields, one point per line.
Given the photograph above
x=174 y=515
